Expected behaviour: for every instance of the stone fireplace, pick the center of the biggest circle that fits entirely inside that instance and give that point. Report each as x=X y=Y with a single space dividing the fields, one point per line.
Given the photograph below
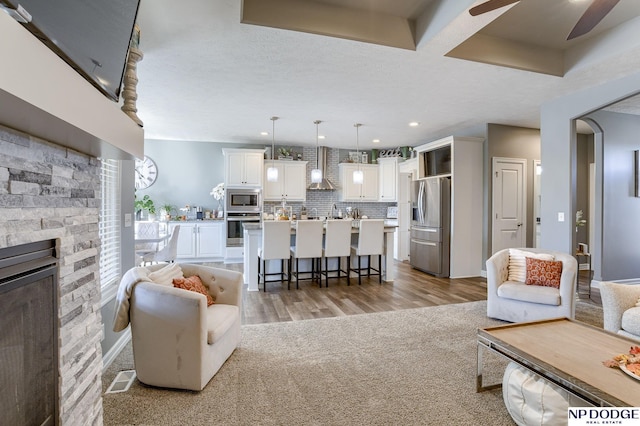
x=49 y=192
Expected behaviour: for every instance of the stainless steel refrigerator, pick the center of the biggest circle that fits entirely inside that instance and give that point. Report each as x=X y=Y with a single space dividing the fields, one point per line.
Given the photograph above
x=431 y=225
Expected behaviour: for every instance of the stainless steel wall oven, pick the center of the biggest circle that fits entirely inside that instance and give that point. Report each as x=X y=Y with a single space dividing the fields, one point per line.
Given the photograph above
x=244 y=205
x=235 y=228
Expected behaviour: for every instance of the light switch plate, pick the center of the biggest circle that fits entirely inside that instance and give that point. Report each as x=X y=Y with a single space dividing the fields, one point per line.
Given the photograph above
x=127 y=220
x=560 y=216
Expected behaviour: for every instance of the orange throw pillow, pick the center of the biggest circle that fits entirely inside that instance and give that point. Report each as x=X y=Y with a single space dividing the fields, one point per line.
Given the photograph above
x=193 y=283
x=543 y=272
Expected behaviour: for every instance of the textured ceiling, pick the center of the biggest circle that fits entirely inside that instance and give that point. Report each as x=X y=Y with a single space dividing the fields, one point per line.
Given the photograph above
x=208 y=77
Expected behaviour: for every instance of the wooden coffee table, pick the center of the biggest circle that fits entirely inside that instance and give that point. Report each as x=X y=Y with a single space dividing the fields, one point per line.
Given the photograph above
x=567 y=353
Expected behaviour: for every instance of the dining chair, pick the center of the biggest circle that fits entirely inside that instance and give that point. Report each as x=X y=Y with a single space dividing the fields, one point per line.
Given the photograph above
x=146 y=230
x=337 y=244
x=370 y=243
x=308 y=245
x=276 y=242
x=168 y=253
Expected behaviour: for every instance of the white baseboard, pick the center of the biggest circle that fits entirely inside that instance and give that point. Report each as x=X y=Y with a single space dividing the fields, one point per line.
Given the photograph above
x=108 y=358
x=483 y=273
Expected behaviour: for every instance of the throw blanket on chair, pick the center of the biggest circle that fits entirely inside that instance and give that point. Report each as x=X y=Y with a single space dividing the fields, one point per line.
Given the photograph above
x=128 y=281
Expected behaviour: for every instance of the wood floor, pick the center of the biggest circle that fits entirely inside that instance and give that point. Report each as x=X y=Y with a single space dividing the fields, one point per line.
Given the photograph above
x=411 y=289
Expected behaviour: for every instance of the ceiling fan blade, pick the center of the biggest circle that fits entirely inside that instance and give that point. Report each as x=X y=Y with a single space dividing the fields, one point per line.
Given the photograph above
x=490 y=5
x=596 y=11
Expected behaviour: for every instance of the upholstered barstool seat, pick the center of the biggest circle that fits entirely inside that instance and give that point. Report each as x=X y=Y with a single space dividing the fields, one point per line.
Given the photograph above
x=337 y=244
x=370 y=243
x=276 y=239
x=308 y=245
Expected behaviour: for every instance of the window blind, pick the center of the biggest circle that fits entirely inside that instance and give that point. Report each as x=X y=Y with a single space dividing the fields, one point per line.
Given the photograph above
x=109 y=224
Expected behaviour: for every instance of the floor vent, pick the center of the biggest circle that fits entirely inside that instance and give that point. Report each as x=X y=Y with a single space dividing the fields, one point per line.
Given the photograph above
x=122 y=382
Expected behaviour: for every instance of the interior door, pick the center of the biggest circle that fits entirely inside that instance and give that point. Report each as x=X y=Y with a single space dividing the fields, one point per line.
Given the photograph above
x=509 y=203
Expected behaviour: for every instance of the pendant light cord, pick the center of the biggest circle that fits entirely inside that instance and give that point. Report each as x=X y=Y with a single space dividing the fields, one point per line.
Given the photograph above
x=317 y=122
x=357 y=126
x=273 y=139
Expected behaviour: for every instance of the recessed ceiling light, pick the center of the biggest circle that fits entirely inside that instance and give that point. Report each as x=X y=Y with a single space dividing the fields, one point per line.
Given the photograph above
x=264 y=133
x=320 y=137
x=376 y=141
x=414 y=124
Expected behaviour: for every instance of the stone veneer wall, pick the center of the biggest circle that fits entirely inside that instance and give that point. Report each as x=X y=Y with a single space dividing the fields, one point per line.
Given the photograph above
x=51 y=192
x=323 y=200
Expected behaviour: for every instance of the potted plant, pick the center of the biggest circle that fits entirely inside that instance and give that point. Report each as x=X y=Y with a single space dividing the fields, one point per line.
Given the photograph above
x=168 y=210
x=146 y=203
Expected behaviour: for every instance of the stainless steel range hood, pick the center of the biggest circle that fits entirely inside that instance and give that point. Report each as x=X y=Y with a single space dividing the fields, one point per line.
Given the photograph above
x=326 y=184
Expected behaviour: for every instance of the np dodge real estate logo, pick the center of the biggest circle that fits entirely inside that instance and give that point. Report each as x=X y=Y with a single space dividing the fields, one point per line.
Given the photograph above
x=625 y=416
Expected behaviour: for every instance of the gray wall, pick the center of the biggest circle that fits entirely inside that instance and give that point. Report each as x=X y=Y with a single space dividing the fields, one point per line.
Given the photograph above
x=620 y=207
x=510 y=142
x=187 y=171
x=585 y=156
x=558 y=152
x=126 y=251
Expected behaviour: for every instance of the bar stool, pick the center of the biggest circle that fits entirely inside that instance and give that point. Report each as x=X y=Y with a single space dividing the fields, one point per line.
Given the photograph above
x=276 y=239
x=337 y=243
x=308 y=246
x=370 y=242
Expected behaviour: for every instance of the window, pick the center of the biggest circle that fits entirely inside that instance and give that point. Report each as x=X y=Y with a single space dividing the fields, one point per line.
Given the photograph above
x=109 y=225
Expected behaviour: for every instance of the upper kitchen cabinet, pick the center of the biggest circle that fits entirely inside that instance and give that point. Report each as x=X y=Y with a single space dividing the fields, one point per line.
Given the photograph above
x=367 y=191
x=388 y=179
x=291 y=184
x=243 y=167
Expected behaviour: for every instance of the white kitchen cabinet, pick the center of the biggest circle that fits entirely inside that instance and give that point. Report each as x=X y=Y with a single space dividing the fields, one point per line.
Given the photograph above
x=466 y=173
x=388 y=179
x=367 y=191
x=291 y=184
x=243 y=167
x=201 y=240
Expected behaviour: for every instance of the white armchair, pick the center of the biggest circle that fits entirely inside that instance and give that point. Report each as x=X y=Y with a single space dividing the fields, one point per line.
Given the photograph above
x=516 y=301
x=179 y=342
x=621 y=315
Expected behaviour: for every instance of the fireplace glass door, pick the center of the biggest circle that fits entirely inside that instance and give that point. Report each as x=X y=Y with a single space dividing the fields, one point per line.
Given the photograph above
x=28 y=342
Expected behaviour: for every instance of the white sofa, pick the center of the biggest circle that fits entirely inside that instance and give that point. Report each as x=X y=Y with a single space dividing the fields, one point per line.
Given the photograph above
x=517 y=302
x=621 y=315
x=179 y=342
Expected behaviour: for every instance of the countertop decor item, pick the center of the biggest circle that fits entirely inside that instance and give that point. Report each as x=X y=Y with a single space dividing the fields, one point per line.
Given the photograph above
x=218 y=194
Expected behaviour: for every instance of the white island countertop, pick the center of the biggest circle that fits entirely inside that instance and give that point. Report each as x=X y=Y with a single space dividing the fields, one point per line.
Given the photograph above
x=253 y=240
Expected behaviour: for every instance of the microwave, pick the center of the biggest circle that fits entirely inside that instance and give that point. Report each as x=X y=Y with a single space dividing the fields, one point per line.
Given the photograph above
x=244 y=200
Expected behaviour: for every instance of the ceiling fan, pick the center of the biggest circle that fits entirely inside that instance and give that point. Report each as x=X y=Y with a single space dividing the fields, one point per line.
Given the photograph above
x=596 y=11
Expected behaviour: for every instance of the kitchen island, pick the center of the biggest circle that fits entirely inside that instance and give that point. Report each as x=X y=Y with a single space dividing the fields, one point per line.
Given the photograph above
x=253 y=241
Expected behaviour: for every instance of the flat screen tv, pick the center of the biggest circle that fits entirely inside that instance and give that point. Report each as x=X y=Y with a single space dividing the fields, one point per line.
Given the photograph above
x=90 y=35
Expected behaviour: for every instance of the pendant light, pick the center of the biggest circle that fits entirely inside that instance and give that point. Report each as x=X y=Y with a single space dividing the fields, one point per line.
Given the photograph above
x=272 y=172
x=316 y=174
x=358 y=175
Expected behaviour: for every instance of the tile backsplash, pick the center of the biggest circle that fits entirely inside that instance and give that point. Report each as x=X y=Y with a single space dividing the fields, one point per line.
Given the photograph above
x=320 y=202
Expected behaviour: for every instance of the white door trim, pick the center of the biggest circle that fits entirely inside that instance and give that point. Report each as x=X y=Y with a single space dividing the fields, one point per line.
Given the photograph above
x=521 y=241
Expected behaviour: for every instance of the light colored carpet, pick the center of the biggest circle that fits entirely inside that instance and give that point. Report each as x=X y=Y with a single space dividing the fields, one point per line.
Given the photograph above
x=410 y=367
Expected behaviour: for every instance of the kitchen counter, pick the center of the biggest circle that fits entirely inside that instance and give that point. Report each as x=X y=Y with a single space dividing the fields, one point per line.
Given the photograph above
x=253 y=240
x=217 y=219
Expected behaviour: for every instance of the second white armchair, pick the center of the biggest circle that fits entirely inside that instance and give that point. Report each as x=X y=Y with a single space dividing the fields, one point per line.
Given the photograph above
x=516 y=301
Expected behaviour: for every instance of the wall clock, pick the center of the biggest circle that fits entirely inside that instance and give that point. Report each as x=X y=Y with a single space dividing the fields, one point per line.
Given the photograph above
x=146 y=172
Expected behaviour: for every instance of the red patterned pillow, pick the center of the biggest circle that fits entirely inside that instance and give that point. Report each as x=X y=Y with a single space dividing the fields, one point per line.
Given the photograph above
x=193 y=283
x=543 y=272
